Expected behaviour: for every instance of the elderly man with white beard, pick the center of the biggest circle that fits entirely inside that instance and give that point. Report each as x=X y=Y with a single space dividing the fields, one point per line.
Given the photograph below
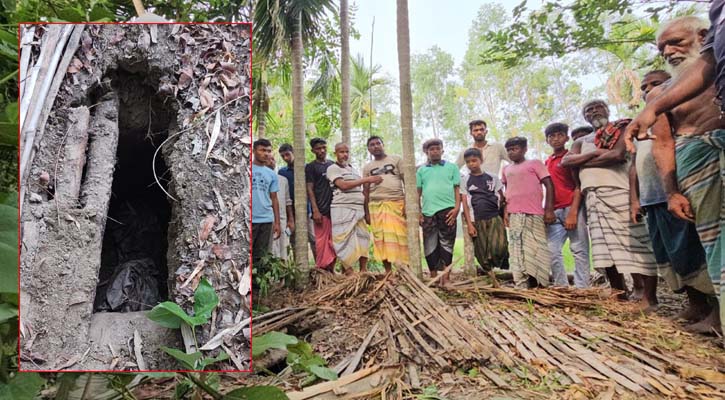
x=619 y=245
x=689 y=153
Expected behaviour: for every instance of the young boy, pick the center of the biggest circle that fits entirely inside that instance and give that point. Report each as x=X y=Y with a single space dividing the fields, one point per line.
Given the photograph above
x=437 y=183
x=580 y=132
x=265 y=207
x=569 y=213
x=525 y=217
x=485 y=226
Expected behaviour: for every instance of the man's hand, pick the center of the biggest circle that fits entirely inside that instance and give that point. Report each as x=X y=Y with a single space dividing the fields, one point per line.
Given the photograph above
x=451 y=216
x=635 y=211
x=680 y=206
x=420 y=219
x=571 y=220
x=506 y=219
x=276 y=230
x=291 y=225
x=374 y=179
x=367 y=218
x=317 y=217
x=549 y=217
x=638 y=128
x=472 y=230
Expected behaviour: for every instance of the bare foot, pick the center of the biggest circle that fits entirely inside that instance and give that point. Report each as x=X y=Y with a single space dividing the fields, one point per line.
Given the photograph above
x=637 y=294
x=708 y=326
x=645 y=306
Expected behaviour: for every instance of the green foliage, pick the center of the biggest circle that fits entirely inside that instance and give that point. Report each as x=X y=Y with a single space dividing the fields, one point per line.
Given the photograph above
x=256 y=393
x=274 y=22
x=9 y=242
x=432 y=83
x=21 y=386
x=170 y=315
x=272 y=340
x=270 y=270
x=556 y=29
x=300 y=356
x=430 y=393
x=561 y=27
x=194 y=361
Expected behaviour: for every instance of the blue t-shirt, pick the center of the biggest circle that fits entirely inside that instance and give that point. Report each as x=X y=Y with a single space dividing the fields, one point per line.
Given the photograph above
x=264 y=182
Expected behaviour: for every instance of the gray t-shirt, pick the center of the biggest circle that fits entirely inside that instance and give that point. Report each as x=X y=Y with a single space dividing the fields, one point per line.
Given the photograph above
x=493 y=155
x=345 y=198
x=594 y=177
x=651 y=190
x=391 y=188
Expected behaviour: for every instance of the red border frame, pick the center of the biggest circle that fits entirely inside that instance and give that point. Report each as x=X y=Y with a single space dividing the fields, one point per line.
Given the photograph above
x=251 y=52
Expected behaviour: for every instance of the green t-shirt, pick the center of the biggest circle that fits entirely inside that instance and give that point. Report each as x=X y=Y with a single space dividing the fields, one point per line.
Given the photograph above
x=438 y=182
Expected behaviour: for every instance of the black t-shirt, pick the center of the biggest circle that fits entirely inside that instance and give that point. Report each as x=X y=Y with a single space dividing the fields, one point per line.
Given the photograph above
x=482 y=191
x=316 y=173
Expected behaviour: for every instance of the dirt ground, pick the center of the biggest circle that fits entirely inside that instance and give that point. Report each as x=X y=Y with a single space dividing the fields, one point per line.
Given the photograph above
x=92 y=201
x=651 y=354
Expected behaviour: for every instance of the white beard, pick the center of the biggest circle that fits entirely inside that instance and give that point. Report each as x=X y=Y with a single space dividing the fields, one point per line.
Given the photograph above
x=690 y=58
x=597 y=123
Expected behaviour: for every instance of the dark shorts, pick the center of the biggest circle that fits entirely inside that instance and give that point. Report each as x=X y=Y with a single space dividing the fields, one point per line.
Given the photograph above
x=674 y=240
x=438 y=240
x=261 y=237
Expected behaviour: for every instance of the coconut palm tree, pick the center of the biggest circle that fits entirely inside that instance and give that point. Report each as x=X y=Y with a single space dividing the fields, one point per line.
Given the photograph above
x=406 y=123
x=345 y=69
x=281 y=26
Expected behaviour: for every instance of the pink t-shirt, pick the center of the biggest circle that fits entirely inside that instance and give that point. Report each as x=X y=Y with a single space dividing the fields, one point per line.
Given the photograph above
x=524 y=193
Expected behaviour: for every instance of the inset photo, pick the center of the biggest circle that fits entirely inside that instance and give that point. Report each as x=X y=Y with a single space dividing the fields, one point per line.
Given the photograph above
x=134 y=197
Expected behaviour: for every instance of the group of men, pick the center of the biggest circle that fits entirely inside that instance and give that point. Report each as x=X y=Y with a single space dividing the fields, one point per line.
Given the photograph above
x=655 y=210
x=342 y=203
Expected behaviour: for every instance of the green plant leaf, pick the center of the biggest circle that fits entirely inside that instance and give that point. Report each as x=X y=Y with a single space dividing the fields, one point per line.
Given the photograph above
x=256 y=393
x=271 y=340
x=204 y=362
x=23 y=386
x=157 y=375
x=187 y=360
x=205 y=299
x=11 y=111
x=169 y=315
x=9 y=243
x=182 y=388
x=99 y=13
x=323 y=373
x=7 y=311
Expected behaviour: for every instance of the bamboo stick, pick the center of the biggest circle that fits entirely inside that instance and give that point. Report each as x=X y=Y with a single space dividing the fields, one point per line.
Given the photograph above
x=44 y=97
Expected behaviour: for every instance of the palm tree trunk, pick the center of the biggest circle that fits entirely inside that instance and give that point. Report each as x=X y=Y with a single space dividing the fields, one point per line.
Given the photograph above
x=406 y=123
x=298 y=117
x=262 y=112
x=345 y=70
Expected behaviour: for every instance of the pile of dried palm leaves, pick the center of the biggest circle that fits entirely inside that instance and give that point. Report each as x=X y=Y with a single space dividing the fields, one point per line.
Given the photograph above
x=333 y=287
x=509 y=337
x=590 y=298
